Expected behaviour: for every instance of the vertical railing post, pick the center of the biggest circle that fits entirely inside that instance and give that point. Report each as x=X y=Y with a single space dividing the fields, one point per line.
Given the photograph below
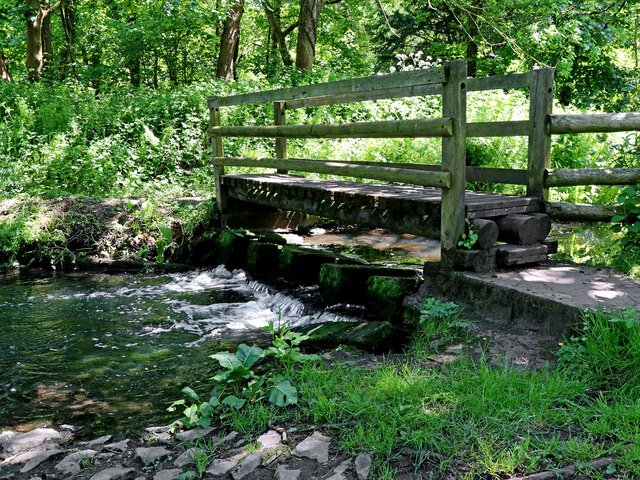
x=218 y=151
x=454 y=105
x=539 y=151
x=279 y=117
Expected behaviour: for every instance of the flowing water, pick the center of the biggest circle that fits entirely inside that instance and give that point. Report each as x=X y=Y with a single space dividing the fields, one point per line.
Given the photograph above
x=110 y=352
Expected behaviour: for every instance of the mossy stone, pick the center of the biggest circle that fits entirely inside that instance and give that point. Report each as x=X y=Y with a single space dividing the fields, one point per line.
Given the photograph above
x=303 y=264
x=271 y=237
x=348 y=283
x=262 y=258
x=233 y=248
x=205 y=251
x=368 y=336
x=385 y=295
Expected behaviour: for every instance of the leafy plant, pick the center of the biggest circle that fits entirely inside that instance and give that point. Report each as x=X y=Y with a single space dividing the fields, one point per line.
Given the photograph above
x=237 y=383
x=469 y=238
x=628 y=224
x=440 y=323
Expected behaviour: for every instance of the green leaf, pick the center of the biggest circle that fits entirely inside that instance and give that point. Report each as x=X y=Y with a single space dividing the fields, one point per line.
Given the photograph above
x=283 y=394
x=248 y=356
x=226 y=359
x=189 y=392
x=166 y=233
x=205 y=422
x=617 y=218
x=234 y=402
x=191 y=411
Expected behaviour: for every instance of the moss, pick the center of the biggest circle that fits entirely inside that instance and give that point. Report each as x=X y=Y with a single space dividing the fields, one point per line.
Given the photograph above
x=233 y=248
x=385 y=295
x=349 y=282
x=303 y=264
x=262 y=258
x=205 y=251
x=369 y=336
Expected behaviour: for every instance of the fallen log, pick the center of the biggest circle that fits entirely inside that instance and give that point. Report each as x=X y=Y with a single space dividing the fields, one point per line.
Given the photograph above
x=579 y=212
x=598 y=464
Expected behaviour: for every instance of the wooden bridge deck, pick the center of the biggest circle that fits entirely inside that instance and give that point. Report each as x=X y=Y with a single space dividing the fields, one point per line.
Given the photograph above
x=402 y=208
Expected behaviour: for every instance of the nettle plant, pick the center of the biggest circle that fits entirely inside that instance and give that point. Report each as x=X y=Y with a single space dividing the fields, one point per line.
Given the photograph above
x=629 y=225
x=237 y=384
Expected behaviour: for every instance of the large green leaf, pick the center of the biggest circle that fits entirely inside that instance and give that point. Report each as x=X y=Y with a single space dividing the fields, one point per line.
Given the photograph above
x=283 y=394
x=226 y=359
x=248 y=356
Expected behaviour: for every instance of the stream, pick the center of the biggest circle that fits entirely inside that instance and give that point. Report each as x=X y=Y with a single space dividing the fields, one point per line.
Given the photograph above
x=111 y=352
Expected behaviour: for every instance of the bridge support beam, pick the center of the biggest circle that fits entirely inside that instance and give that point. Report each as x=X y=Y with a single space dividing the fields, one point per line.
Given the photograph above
x=454 y=106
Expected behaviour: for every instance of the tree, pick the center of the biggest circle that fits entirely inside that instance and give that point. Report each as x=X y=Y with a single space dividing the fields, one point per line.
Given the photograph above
x=39 y=38
x=230 y=41
x=279 y=34
x=308 y=32
x=67 y=14
x=5 y=74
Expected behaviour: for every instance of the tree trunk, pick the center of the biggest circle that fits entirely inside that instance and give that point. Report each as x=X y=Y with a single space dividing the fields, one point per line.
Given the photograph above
x=5 y=74
x=230 y=41
x=279 y=36
x=39 y=40
x=67 y=13
x=308 y=32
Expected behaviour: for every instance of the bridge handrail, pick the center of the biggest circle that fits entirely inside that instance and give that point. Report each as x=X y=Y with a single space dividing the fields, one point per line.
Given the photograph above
x=387 y=173
x=437 y=75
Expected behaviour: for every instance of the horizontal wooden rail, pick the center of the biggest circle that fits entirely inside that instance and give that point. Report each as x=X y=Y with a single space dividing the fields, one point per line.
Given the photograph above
x=432 y=127
x=499 y=82
x=511 y=176
x=514 y=128
x=345 y=169
x=580 y=212
x=601 y=123
x=376 y=82
x=568 y=177
x=400 y=92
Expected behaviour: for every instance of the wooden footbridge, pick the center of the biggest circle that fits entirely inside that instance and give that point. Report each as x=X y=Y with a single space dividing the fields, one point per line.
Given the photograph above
x=427 y=200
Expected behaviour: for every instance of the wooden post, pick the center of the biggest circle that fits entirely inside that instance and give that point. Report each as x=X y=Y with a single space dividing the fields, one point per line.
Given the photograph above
x=454 y=105
x=218 y=151
x=539 y=152
x=279 y=117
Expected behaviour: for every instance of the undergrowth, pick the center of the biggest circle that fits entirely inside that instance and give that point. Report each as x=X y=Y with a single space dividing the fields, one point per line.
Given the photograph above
x=468 y=419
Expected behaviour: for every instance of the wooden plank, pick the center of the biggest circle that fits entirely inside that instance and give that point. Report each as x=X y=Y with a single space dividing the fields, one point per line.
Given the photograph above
x=539 y=148
x=279 y=118
x=218 y=170
x=497 y=175
x=387 y=174
x=604 y=122
x=364 y=84
x=402 y=92
x=499 y=212
x=499 y=82
x=514 y=128
x=427 y=127
x=592 y=176
x=454 y=106
x=509 y=255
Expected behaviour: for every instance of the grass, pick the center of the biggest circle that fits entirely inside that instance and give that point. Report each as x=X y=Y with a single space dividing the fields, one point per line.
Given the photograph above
x=472 y=420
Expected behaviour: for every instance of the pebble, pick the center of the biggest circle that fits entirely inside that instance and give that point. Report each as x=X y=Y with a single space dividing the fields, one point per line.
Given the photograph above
x=315 y=447
x=269 y=441
x=119 y=447
x=148 y=455
x=193 y=434
x=38 y=459
x=221 y=466
x=363 y=466
x=247 y=466
x=13 y=443
x=185 y=458
x=172 y=474
x=339 y=471
x=283 y=474
x=72 y=464
x=115 y=473
x=98 y=442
